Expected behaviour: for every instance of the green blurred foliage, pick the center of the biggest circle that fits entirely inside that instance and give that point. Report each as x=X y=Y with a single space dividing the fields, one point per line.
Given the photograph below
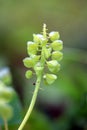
x=19 y=19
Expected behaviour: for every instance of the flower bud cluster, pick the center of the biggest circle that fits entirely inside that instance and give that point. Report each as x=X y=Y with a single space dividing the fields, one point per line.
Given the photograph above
x=6 y=95
x=44 y=52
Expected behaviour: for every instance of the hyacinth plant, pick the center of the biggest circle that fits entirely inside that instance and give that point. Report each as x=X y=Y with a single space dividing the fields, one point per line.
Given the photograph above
x=44 y=55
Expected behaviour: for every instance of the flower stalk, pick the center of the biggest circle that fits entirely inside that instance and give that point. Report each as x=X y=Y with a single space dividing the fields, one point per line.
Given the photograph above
x=42 y=54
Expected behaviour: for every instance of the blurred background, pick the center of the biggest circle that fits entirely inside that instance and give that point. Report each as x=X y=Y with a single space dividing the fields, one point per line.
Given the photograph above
x=63 y=105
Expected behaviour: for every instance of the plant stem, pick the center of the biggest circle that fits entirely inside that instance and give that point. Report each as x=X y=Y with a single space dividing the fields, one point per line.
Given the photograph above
x=31 y=104
x=42 y=61
x=5 y=124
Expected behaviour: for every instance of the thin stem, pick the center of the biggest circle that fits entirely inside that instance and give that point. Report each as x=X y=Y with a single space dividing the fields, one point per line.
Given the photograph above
x=5 y=124
x=39 y=76
x=31 y=104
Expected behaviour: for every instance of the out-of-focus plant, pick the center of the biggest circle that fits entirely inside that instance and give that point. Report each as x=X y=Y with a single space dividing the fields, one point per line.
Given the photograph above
x=44 y=56
x=6 y=95
x=9 y=102
x=6 y=110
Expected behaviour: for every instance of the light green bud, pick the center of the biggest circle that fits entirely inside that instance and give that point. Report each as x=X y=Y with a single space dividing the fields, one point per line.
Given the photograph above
x=38 y=69
x=57 y=45
x=28 y=74
x=49 y=78
x=28 y=62
x=38 y=38
x=35 y=58
x=54 y=36
x=32 y=48
x=47 y=52
x=6 y=93
x=6 y=110
x=53 y=66
x=57 y=55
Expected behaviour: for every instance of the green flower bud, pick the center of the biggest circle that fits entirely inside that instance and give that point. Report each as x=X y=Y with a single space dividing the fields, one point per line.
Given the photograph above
x=57 y=55
x=38 y=69
x=35 y=58
x=54 y=36
x=38 y=38
x=6 y=110
x=6 y=93
x=49 y=78
x=28 y=74
x=53 y=66
x=32 y=48
x=28 y=62
x=57 y=45
x=47 y=52
x=31 y=61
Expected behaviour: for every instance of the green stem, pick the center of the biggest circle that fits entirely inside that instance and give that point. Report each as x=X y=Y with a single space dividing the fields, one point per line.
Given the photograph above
x=42 y=61
x=5 y=123
x=31 y=104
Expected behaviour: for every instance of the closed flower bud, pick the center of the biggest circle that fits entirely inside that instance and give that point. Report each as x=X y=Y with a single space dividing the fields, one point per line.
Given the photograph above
x=54 y=36
x=28 y=62
x=38 y=38
x=31 y=61
x=32 y=48
x=57 y=55
x=6 y=110
x=38 y=69
x=49 y=78
x=53 y=66
x=57 y=45
x=28 y=74
x=35 y=58
x=47 y=52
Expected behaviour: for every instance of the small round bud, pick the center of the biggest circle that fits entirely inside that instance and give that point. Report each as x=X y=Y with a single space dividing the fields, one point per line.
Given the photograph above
x=57 y=45
x=49 y=78
x=35 y=58
x=47 y=52
x=38 y=69
x=38 y=38
x=28 y=74
x=54 y=36
x=53 y=66
x=28 y=62
x=57 y=55
x=6 y=110
x=32 y=48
